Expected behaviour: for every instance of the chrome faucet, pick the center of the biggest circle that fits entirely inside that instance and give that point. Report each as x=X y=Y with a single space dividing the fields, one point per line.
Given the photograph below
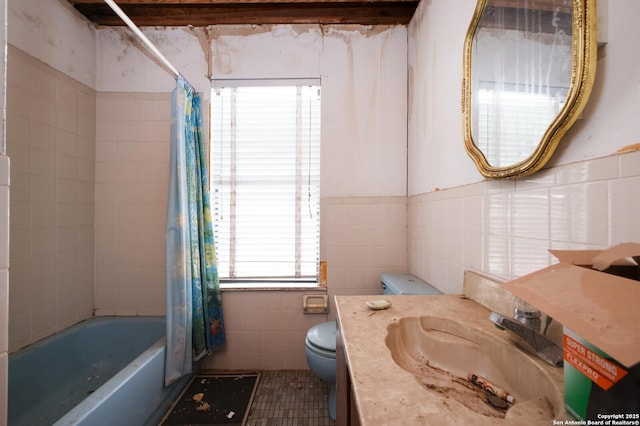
x=524 y=330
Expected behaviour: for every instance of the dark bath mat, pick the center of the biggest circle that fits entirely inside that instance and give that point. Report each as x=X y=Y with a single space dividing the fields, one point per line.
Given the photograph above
x=214 y=399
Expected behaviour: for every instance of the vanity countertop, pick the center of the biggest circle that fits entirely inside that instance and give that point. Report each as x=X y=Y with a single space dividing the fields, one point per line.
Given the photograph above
x=386 y=394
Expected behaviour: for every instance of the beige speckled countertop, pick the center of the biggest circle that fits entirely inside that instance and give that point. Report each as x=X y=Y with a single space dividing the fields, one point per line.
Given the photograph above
x=386 y=394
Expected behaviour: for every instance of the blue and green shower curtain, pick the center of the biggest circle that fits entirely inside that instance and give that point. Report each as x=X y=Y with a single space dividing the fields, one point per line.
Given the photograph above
x=195 y=326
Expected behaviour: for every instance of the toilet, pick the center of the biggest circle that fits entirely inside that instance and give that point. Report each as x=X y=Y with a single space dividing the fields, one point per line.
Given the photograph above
x=320 y=343
x=405 y=284
x=320 y=347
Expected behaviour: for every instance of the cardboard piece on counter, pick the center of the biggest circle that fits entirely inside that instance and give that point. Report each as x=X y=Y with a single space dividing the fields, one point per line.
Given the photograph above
x=617 y=255
x=615 y=260
x=584 y=257
x=600 y=307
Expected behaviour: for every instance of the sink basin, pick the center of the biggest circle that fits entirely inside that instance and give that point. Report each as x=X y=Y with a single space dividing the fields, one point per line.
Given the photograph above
x=442 y=354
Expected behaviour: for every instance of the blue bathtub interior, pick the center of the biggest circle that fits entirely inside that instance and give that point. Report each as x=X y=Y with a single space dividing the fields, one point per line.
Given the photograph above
x=92 y=373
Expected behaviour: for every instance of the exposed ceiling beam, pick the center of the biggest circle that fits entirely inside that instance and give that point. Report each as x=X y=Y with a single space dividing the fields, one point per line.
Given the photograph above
x=220 y=12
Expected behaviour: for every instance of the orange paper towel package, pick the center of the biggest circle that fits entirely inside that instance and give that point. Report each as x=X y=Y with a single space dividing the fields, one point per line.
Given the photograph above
x=595 y=295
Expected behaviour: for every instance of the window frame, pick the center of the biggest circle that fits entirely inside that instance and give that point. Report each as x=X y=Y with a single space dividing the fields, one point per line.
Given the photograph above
x=269 y=283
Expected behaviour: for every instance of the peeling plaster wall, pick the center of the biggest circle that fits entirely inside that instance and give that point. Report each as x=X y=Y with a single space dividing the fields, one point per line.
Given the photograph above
x=126 y=65
x=363 y=73
x=364 y=113
x=278 y=51
x=437 y=157
x=53 y=32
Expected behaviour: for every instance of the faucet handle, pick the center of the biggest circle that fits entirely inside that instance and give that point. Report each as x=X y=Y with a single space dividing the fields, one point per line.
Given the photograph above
x=526 y=310
x=528 y=315
x=529 y=318
x=519 y=313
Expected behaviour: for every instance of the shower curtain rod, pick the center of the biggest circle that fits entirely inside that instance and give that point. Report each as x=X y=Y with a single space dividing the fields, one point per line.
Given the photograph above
x=112 y=4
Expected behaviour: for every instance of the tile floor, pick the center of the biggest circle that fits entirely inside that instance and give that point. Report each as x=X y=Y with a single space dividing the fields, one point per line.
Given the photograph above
x=290 y=398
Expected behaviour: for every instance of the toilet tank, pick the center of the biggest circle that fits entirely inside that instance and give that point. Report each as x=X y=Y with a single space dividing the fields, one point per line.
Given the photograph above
x=405 y=284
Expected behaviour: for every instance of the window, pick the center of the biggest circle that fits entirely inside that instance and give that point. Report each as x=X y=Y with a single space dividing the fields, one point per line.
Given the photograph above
x=265 y=172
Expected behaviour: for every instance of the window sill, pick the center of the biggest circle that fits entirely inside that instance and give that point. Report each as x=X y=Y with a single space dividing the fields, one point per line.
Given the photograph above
x=271 y=286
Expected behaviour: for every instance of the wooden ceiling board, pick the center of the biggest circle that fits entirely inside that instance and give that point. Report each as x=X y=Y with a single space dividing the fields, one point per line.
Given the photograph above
x=220 y=12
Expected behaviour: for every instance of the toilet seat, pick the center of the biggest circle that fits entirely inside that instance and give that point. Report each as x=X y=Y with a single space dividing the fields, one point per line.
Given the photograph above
x=319 y=351
x=321 y=339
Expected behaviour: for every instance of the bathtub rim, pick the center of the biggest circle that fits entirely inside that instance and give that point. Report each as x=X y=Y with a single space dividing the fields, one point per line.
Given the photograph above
x=85 y=408
x=100 y=399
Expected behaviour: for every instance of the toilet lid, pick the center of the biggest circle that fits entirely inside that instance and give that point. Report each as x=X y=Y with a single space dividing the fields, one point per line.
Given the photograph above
x=323 y=335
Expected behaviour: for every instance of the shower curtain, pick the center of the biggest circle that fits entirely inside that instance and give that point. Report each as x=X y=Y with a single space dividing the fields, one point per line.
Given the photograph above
x=195 y=325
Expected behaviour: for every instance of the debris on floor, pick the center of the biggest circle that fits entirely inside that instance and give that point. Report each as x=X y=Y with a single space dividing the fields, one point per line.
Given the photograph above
x=203 y=407
x=214 y=399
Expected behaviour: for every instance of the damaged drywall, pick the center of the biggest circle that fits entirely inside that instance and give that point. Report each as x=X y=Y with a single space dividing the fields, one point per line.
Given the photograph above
x=363 y=72
x=56 y=34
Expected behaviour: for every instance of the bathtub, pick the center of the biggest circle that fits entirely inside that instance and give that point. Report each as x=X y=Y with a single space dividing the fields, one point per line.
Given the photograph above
x=103 y=371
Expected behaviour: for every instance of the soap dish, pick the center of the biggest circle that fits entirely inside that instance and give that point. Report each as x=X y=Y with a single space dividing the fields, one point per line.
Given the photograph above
x=379 y=304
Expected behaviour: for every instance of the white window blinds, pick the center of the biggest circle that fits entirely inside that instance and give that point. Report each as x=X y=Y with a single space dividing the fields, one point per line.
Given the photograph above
x=265 y=171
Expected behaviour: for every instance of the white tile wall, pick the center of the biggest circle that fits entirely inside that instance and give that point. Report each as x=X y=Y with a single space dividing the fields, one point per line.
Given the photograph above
x=132 y=175
x=265 y=330
x=362 y=237
x=508 y=226
x=50 y=140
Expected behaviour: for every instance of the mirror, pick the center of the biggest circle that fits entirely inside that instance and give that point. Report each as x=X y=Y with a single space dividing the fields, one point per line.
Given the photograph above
x=529 y=66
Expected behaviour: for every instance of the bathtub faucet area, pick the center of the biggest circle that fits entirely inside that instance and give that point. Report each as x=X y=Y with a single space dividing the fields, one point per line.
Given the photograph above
x=524 y=329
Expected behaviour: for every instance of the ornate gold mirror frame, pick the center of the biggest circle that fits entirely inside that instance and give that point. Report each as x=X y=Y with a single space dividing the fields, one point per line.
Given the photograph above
x=583 y=66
